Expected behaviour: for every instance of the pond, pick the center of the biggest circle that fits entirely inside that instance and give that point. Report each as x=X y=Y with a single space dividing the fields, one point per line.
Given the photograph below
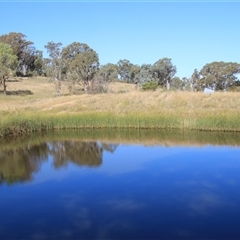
x=157 y=185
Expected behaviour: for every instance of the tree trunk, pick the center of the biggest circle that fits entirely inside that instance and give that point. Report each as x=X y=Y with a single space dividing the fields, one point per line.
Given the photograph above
x=4 y=86
x=85 y=88
x=24 y=69
x=58 y=86
x=168 y=85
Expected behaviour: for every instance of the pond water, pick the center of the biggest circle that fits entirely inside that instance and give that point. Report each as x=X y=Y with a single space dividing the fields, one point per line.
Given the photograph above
x=97 y=189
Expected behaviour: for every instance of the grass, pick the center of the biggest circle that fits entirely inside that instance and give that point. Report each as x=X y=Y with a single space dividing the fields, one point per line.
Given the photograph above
x=31 y=106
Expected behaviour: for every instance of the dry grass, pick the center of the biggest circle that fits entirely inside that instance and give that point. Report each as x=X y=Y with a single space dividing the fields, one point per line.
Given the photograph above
x=217 y=111
x=123 y=98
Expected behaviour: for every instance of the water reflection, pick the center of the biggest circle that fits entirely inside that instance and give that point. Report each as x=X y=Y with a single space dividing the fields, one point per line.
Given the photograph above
x=74 y=189
x=81 y=153
x=19 y=164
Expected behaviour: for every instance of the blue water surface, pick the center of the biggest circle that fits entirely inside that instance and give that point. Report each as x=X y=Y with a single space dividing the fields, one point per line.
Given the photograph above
x=137 y=192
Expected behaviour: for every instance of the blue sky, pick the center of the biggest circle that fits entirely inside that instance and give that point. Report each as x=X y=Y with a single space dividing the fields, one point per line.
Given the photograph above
x=190 y=33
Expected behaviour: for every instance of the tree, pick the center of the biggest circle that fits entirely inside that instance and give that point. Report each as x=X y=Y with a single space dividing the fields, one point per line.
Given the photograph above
x=194 y=80
x=144 y=75
x=108 y=72
x=70 y=52
x=124 y=70
x=80 y=64
x=38 y=63
x=219 y=75
x=56 y=64
x=134 y=71
x=24 y=50
x=163 y=71
x=84 y=65
x=8 y=62
x=178 y=83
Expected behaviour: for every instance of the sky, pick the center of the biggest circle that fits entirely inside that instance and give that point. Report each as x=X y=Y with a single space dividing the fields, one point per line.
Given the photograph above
x=191 y=33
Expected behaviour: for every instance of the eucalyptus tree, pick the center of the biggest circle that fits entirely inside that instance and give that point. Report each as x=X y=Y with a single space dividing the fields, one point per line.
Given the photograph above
x=25 y=51
x=144 y=75
x=82 y=64
x=55 y=64
x=108 y=72
x=219 y=75
x=38 y=64
x=72 y=50
x=124 y=70
x=194 y=80
x=163 y=71
x=69 y=54
x=179 y=84
x=134 y=71
x=8 y=62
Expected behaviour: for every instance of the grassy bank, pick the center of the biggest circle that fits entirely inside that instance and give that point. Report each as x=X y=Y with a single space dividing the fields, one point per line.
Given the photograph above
x=26 y=122
x=31 y=106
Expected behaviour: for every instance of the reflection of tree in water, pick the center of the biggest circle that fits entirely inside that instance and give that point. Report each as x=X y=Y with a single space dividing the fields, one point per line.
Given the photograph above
x=17 y=165
x=80 y=153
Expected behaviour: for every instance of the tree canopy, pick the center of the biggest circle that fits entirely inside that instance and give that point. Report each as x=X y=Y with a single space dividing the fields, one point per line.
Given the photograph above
x=163 y=71
x=108 y=72
x=27 y=56
x=219 y=75
x=84 y=65
x=55 y=64
x=8 y=62
x=124 y=70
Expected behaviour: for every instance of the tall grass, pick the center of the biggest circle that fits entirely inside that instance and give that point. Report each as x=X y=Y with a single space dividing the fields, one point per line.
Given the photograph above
x=26 y=122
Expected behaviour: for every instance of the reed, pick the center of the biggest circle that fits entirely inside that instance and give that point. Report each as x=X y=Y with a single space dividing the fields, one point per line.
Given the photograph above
x=25 y=122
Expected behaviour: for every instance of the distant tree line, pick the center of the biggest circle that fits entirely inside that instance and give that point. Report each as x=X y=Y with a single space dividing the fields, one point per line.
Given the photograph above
x=78 y=65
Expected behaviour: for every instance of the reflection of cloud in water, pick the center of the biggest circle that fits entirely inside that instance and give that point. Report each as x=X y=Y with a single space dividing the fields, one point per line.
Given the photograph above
x=109 y=227
x=62 y=234
x=106 y=228
x=230 y=180
x=84 y=221
x=184 y=234
x=208 y=185
x=204 y=202
x=77 y=212
x=204 y=197
x=124 y=205
x=81 y=218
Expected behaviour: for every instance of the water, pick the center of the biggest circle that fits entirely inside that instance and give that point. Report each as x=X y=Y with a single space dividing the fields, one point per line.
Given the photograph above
x=76 y=189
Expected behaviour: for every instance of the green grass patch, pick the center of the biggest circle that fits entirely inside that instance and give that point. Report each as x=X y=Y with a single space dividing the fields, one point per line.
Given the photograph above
x=18 y=123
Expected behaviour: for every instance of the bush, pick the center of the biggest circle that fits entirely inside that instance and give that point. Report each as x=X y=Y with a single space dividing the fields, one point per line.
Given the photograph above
x=150 y=86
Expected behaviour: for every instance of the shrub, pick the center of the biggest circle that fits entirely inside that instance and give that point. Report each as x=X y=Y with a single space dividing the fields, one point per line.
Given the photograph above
x=149 y=86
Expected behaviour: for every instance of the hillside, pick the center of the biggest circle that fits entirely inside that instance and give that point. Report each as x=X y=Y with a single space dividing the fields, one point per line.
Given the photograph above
x=38 y=94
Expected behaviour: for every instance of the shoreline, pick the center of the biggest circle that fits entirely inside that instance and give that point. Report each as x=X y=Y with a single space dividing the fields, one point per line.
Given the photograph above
x=28 y=122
